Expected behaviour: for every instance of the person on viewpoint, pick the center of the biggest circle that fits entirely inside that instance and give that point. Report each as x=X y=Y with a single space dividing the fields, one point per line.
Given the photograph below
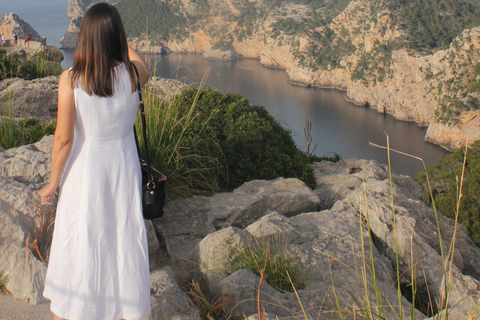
x=15 y=39
x=27 y=39
x=98 y=266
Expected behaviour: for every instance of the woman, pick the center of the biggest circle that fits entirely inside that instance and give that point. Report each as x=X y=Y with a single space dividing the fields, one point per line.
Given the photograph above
x=98 y=267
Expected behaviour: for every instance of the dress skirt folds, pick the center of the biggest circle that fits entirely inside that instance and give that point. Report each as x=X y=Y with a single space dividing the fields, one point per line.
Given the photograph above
x=98 y=267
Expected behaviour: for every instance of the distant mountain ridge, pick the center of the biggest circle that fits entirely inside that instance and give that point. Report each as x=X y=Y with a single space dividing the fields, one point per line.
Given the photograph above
x=415 y=59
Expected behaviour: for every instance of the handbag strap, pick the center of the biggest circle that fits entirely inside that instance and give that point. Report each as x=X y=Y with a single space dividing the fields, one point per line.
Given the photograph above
x=144 y=130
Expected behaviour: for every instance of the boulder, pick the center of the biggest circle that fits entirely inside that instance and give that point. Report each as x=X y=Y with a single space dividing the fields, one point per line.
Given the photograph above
x=27 y=161
x=189 y=220
x=412 y=235
x=51 y=53
x=327 y=252
x=19 y=53
x=215 y=251
x=167 y=300
x=31 y=98
x=19 y=217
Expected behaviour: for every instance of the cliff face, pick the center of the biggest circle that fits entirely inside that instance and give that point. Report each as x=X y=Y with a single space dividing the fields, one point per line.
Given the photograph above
x=12 y=23
x=352 y=48
x=75 y=10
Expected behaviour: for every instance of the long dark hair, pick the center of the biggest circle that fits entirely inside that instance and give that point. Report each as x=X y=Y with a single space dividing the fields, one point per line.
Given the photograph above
x=101 y=46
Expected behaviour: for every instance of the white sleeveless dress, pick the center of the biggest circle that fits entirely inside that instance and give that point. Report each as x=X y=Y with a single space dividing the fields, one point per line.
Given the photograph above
x=98 y=267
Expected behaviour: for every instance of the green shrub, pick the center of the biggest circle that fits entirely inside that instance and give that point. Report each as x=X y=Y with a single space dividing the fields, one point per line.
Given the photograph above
x=190 y=163
x=253 y=144
x=26 y=131
x=443 y=176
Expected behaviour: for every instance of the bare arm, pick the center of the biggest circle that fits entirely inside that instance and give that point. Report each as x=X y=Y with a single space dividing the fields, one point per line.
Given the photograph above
x=142 y=67
x=63 y=139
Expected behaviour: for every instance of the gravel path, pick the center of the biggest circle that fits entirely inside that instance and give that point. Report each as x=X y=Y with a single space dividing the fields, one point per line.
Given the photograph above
x=11 y=309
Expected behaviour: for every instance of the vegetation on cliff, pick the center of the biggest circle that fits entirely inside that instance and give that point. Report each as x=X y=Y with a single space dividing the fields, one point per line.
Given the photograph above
x=17 y=132
x=433 y=24
x=161 y=19
x=445 y=176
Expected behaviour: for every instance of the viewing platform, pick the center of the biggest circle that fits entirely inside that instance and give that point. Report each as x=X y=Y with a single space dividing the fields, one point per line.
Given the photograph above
x=31 y=47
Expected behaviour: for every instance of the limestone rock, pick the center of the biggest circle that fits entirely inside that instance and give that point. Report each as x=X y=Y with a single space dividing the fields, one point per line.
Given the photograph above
x=75 y=10
x=218 y=55
x=415 y=226
x=153 y=244
x=19 y=218
x=215 y=250
x=242 y=288
x=19 y=53
x=332 y=245
x=188 y=221
x=165 y=88
x=51 y=53
x=69 y=40
x=324 y=250
x=31 y=98
x=453 y=137
x=27 y=160
x=167 y=300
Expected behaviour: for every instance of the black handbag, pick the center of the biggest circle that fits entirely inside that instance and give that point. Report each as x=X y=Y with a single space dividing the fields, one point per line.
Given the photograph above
x=153 y=181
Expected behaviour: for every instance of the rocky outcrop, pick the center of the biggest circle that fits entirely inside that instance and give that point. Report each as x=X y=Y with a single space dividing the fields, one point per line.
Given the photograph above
x=454 y=136
x=50 y=53
x=38 y=98
x=69 y=40
x=31 y=98
x=332 y=245
x=198 y=216
x=75 y=10
x=167 y=300
x=12 y=23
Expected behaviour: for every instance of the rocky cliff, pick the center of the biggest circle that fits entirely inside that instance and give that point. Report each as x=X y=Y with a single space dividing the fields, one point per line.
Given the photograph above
x=357 y=46
x=12 y=23
x=75 y=11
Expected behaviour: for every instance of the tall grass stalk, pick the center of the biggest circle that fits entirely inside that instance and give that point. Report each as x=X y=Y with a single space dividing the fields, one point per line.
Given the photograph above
x=452 y=246
x=17 y=132
x=7 y=127
x=209 y=308
x=399 y=291
x=448 y=261
x=190 y=169
x=277 y=260
x=4 y=278
x=370 y=265
x=41 y=241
